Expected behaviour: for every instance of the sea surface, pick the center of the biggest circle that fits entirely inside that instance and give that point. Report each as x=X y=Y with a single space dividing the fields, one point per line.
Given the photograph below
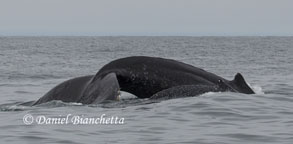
x=31 y=66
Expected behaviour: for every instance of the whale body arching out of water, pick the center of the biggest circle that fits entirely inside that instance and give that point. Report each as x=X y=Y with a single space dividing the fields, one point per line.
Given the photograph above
x=144 y=77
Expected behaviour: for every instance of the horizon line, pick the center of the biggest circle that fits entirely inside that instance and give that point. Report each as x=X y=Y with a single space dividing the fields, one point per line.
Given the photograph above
x=146 y=35
x=86 y=34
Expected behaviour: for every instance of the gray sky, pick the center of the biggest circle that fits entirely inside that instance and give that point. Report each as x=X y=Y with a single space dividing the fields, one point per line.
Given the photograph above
x=146 y=17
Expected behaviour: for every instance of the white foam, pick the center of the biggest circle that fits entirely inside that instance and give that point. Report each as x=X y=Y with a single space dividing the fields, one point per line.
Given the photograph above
x=125 y=95
x=256 y=88
x=208 y=94
x=75 y=103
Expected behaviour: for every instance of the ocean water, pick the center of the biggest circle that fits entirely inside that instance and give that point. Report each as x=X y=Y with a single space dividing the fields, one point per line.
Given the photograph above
x=30 y=66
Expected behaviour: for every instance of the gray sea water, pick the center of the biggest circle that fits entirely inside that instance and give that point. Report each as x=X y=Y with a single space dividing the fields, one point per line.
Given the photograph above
x=30 y=66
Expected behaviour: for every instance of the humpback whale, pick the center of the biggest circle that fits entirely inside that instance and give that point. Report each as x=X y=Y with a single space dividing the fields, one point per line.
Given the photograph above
x=144 y=77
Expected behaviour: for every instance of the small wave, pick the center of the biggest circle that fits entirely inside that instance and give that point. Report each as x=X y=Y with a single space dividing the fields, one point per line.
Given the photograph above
x=122 y=103
x=23 y=106
x=16 y=106
x=23 y=92
x=44 y=76
x=17 y=85
x=58 y=103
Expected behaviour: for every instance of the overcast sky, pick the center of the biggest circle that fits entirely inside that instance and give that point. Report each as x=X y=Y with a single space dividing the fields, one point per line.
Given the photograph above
x=146 y=17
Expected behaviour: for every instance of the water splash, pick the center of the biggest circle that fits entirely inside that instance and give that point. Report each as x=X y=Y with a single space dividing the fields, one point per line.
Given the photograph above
x=257 y=89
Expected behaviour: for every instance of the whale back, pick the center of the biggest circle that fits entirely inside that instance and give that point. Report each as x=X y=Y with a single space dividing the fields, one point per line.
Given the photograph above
x=186 y=91
x=68 y=91
x=101 y=89
x=144 y=76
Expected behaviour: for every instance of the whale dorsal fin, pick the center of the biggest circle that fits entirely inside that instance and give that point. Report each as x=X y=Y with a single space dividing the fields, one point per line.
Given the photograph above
x=241 y=84
x=238 y=79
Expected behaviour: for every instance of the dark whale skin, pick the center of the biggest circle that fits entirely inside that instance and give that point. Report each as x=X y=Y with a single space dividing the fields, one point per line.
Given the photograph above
x=143 y=77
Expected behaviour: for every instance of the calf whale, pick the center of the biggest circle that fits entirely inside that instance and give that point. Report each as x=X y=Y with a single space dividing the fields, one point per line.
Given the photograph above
x=144 y=77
